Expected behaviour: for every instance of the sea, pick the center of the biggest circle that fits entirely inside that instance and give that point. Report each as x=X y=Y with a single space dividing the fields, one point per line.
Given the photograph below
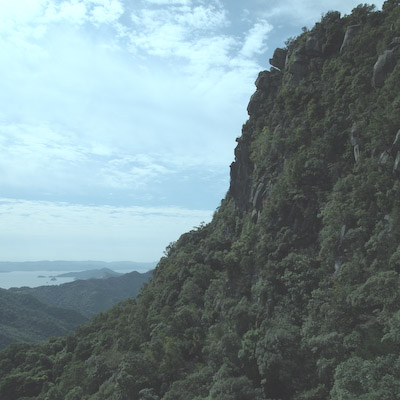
x=32 y=278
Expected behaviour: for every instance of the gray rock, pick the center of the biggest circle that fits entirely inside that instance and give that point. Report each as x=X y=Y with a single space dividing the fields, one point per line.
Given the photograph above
x=396 y=166
x=355 y=135
x=258 y=195
x=278 y=59
x=383 y=67
x=356 y=151
x=351 y=31
x=267 y=84
x=263 y=80
x=384 y=157
x=394 y=43
x=341 y=235
x=396 y=143
x=314 y=43
x=255 y=101
x=298 y=67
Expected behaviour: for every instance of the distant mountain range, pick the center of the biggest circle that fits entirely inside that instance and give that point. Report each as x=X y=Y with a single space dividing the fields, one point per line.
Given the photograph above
x=6 y=266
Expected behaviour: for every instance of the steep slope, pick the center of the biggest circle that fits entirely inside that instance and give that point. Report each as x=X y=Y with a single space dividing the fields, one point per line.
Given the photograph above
x=89 y=297
x=293 y=290
x=24 y=318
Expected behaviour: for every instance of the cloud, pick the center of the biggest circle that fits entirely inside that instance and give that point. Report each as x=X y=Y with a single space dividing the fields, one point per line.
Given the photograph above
x=308 y=11
x=130 y=172
x=31 y=230
x=179 y=32
x=169 y=2
x=255 y=41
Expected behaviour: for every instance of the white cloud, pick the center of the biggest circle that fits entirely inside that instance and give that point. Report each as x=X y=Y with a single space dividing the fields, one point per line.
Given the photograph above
x=183 y=32
x=308 y=12
x=169 y=2
x=130 y=172
x=255 y=41
x=36 y=230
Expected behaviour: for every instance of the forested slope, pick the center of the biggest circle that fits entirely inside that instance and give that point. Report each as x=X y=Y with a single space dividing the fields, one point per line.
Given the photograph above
x=23 y=318
x=292 y=292
x=89 y=297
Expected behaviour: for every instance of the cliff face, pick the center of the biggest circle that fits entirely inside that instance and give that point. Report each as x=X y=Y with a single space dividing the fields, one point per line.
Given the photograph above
x=293 y=290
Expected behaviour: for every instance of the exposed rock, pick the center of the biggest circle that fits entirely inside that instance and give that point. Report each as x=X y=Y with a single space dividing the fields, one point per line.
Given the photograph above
x=383 y=67
x=241 y=172
x=267 y=84
x=384 y=157
x=356 y=141
x=258 y=195
x=356 y=151
x=395 y=43
x=396 y=166
x=351 y=31
x=314 y=43
x=396 y=144
x=341 y=235
x=298 y=67
x=255 y=101
x=338 y=264
x=355 y=135
x=279 y=58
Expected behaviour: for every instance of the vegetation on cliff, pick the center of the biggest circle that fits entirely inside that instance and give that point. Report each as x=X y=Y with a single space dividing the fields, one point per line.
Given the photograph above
x=293 y=290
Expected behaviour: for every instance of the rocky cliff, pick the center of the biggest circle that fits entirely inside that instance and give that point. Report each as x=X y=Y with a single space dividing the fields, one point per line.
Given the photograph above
x=293 y=290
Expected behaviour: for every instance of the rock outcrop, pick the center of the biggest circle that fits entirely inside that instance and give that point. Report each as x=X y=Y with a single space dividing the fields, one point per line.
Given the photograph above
x=298 y=66
x=351 y=32
x=356 y=141
x=267 y=84
x=383 y=67
x=278 y=59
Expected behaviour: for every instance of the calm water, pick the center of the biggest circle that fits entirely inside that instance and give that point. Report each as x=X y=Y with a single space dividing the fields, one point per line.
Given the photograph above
x=31 y=278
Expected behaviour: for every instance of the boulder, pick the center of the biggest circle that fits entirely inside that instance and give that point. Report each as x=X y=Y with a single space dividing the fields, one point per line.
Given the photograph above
x=278 y=59
x=383 y=67
x=351 y=31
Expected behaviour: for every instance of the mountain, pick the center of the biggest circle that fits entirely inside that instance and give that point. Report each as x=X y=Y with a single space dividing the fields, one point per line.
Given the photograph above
x=6 y=266
x=292 y=292
x=91 y=296
x=102 y=273
x=24 y=318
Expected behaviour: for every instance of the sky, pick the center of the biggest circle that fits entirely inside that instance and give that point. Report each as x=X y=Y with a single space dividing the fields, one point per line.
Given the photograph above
x=118 y=118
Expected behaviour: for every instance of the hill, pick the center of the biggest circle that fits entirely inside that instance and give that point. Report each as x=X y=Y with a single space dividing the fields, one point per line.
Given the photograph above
x=292 y=292
x=6 y=266
x=102 y=273
x=91 y=296
x=23 y=318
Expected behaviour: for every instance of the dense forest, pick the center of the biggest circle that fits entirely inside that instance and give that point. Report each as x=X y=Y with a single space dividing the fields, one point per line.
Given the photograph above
x=292 y=291
x=35 y=314
x=89 y=296
x=23 y=318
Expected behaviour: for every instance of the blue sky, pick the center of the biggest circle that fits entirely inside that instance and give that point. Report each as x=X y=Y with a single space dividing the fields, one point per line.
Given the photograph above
x=118 y=118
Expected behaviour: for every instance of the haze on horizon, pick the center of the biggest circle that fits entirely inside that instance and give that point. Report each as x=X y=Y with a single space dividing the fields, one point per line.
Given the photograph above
x=118 y=119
